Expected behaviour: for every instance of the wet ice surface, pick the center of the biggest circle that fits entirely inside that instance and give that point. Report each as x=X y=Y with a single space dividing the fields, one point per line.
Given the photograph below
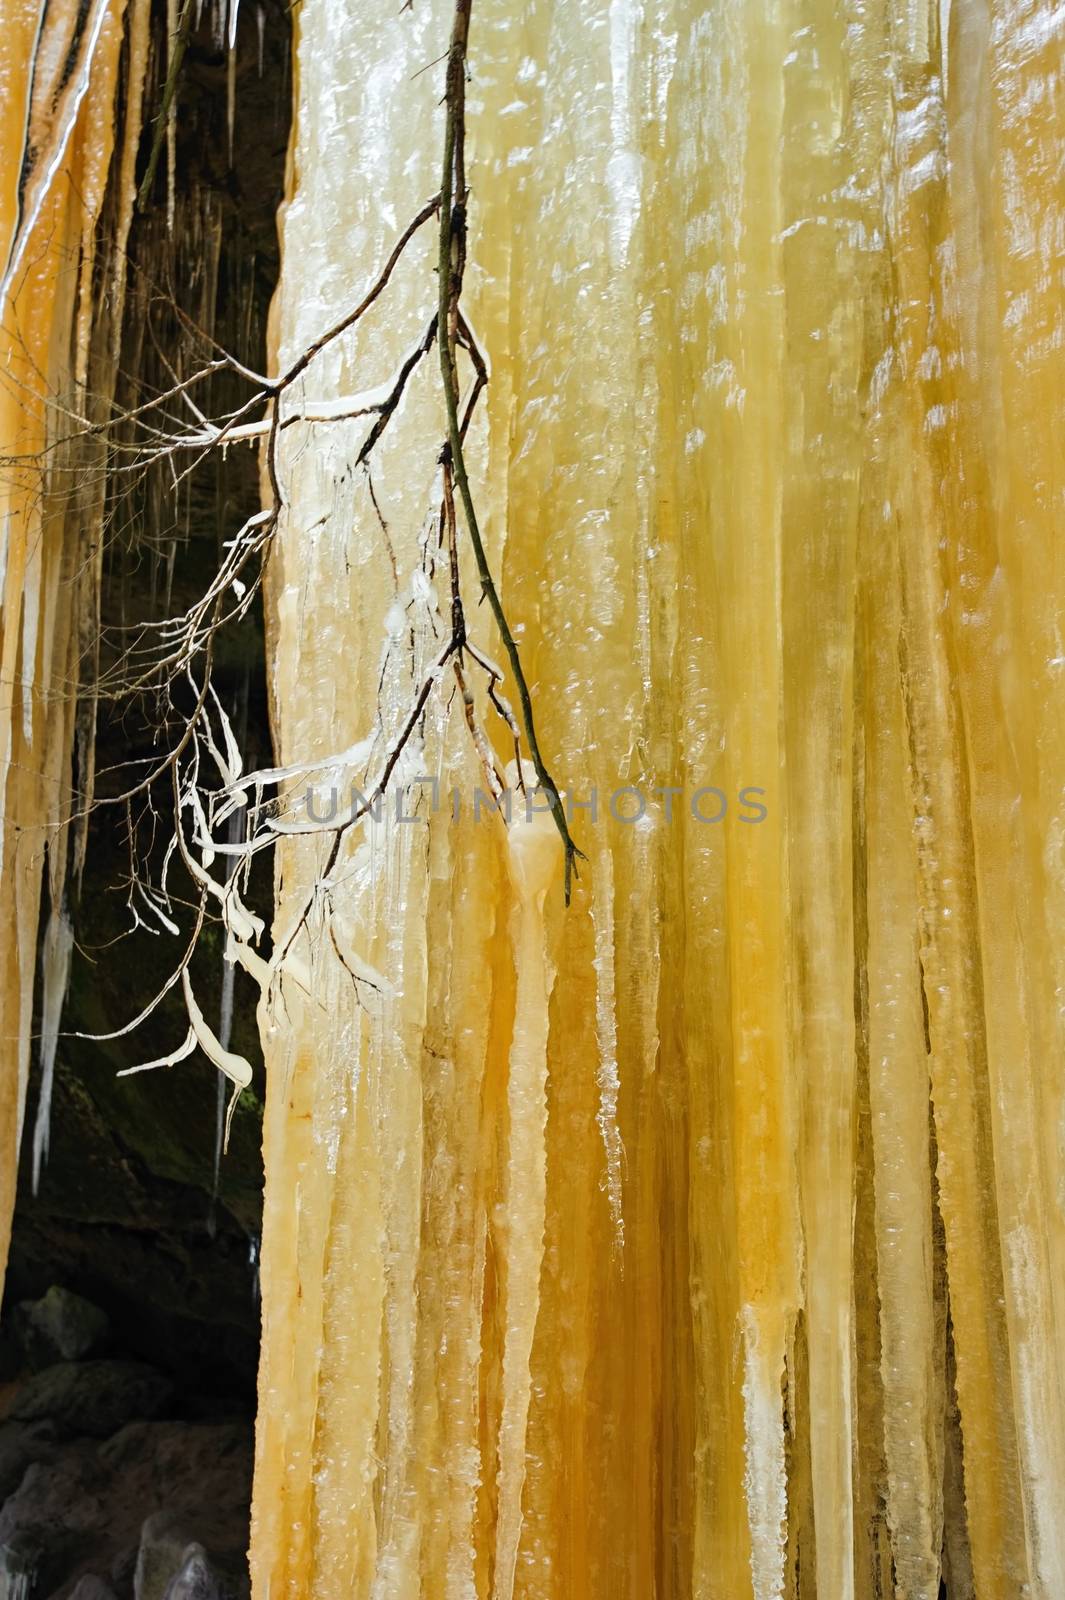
x=609 y=1251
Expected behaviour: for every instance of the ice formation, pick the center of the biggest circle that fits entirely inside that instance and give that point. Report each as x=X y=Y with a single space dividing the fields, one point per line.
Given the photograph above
x=72 y=81
x=773 y=304
x=705 y=1238
x=59 y=75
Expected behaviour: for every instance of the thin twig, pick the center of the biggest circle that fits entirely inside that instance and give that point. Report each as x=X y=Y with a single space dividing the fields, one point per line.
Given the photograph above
x=451 y=263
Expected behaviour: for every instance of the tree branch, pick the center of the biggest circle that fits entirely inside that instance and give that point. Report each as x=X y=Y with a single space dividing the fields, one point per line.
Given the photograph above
x=451 y=263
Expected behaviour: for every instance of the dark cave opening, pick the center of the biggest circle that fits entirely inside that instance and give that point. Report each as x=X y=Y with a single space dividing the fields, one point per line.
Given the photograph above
x=127 y=1431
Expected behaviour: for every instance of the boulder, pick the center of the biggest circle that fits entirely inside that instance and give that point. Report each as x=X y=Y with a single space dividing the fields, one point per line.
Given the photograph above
x=172 y=1566
x=90 y=1587
x=21 y=1444
x=196 y=1579
x=61 y=1326
x=123 y=1566
x=94 y=1397
x=164 y=1542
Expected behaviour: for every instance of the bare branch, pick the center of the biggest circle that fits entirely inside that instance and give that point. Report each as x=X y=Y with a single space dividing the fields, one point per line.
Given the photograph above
x=450 y=268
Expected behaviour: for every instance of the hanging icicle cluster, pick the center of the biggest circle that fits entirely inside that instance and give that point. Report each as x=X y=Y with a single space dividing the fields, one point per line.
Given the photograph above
x=705 y=1239
x=82 y=126
x=61 y=140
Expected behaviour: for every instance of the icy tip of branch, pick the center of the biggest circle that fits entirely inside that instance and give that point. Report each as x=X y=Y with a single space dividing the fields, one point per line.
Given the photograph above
x=235 y=1067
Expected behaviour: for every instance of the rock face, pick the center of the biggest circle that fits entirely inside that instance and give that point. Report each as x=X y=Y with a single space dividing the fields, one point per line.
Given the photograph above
x=158 y=1512
x=93 y=1397
x=21 y=1444
x=101 y=1501
x=92 y=1588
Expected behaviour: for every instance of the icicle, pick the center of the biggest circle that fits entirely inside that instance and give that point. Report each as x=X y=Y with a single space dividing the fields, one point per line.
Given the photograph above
x=606 y=1029
x=59 y=68
x=55 y=975
x=225 y=1022
x=18 y=1574
x=31 y=616
x=139 y=40
x=534 y=858
x=766 y=1478
x=234 y=833
x=97 y=147
x=172 y=47
x=231 y=88
x=37 y=183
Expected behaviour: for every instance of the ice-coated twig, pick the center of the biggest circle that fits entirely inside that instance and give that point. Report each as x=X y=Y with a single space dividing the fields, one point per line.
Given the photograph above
x=205 y=763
